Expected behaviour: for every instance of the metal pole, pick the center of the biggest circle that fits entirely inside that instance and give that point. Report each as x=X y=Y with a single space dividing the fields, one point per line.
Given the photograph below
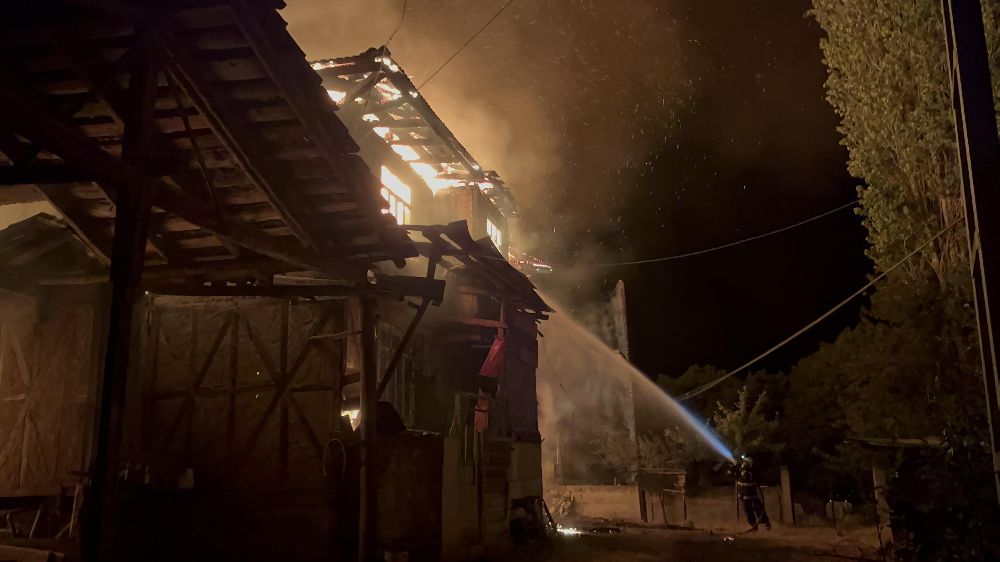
x=979 y=162
x=368 y=521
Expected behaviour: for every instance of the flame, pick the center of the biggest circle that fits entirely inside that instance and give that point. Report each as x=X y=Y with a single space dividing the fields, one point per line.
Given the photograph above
x=384 y=133
x=388 y=91
x=397 y=186
x=430 y=176
x=406 y=152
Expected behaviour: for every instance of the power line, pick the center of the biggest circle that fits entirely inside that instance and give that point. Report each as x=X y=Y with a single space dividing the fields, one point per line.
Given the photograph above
x=466 y=44
x=712 y=249
x=822 y=317
x=402 y=18
x=730 y=244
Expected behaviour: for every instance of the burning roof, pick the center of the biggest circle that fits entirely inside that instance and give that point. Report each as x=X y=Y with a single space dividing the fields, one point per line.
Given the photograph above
x=377 y=98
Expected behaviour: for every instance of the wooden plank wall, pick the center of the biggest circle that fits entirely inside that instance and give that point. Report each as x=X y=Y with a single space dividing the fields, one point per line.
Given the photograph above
x=48 y=361
x=237 y=390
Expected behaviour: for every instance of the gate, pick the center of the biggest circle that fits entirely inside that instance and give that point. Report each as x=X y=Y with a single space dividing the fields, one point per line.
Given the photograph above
x=240 y=390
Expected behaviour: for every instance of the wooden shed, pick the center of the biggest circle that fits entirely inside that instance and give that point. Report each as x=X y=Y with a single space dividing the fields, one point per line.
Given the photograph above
x=184 y=339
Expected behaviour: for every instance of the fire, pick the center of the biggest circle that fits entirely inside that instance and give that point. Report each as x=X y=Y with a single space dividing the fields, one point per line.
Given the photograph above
x=427 y=172
x=405 y=152
x=384 y=133
x=336 y=96
x=397 y=186
x=430 y=176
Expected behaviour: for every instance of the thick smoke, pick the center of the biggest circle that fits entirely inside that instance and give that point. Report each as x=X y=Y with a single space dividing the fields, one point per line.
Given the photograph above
x=562 y=97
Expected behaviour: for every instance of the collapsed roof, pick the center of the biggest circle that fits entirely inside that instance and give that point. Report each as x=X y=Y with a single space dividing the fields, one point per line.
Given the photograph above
x=480 y=260
x=372 y=86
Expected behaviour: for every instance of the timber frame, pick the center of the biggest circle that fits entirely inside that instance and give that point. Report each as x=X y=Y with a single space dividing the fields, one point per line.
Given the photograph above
x=388 y=94
x=242 y=154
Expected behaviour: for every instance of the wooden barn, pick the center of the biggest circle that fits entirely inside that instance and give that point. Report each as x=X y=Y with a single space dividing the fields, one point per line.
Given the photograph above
x=222 y=319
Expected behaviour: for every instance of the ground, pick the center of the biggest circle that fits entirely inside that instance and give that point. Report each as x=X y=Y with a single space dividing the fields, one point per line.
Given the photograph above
x=648 y=545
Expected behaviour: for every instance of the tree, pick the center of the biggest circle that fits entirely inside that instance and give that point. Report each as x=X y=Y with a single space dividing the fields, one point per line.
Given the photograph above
x=910 y=368
x=743 y=425
x=671 y=448
x=914 y=351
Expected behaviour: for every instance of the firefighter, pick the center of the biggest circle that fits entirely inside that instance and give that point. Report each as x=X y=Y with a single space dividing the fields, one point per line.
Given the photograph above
x=751 y=496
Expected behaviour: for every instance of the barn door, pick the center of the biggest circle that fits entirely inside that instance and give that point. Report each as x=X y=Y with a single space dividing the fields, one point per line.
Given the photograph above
x=239 y=390
x=46 y=366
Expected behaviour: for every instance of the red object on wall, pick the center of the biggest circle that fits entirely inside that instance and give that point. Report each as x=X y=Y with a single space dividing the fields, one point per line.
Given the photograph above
x=493 y=366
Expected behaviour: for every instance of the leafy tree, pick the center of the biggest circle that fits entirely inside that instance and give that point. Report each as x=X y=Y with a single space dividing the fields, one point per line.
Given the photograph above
x=671 y=448
x=910 y=368
x=744 y=426
x=914 y=352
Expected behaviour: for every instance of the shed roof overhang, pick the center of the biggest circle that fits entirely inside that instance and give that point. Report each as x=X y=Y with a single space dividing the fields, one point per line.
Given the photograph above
x=249 y=168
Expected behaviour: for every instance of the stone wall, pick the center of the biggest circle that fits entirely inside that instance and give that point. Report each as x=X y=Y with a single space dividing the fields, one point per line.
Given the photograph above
x=617 y=503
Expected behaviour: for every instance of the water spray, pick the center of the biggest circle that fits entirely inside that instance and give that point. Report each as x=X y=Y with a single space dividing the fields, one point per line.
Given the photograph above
x=579 y=341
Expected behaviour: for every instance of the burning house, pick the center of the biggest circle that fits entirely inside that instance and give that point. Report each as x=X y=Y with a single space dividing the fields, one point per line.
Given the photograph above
x=246 y=330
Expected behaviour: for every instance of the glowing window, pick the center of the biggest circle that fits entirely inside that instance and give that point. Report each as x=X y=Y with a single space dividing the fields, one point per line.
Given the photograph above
x=399 y=196
x=494 y=233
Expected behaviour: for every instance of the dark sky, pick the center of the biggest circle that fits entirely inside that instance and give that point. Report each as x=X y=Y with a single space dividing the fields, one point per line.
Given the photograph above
x=640 y=129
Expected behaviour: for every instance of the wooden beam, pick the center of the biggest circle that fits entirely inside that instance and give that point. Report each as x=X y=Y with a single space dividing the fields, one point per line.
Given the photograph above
x=252 y=155
x=118 y=9
x=390 y=105
x=87 y=229
x=368 y=518
x=306 y=96
x=132 y=216
x=227 y=270
x=40 y=173
x=30 y=121
x=413 y=123
x=278 y=291
x=419 y=142
x=139 y=108
x=362 y=88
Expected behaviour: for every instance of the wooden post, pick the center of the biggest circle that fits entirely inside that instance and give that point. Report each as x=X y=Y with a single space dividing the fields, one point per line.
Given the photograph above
x=368 y=519
x=881 y=505
x=128 y=253
x=787 y=507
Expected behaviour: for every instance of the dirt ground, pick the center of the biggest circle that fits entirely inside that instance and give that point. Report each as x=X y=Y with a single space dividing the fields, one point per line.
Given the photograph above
x=648 y=545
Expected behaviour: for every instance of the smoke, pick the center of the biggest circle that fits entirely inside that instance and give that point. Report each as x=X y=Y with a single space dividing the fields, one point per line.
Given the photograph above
x=562 y=97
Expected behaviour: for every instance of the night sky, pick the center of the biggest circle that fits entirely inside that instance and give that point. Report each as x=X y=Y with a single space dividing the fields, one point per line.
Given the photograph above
x=642 y=129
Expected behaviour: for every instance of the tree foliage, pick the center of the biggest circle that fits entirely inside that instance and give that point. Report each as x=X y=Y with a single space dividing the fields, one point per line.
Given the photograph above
x=744 y=426
x=910 y=368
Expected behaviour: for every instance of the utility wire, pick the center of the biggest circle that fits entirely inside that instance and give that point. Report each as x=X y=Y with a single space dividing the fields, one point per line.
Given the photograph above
x=824 y=316
x=714 y=248
x=466 y=44
x=730 y=244
x=402 y=18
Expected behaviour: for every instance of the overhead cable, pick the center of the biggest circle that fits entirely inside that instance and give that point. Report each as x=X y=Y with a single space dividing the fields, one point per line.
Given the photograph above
x=824 y=316
x=402 y=18
x=466 y=44
x=729 y=244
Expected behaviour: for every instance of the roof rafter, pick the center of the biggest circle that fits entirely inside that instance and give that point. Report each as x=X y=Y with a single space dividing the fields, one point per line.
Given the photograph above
x=32 y=122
